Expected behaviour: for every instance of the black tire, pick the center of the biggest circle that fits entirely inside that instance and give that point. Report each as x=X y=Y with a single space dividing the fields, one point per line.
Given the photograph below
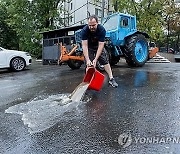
x=17 y=64
x=45 y=62
x=114 y=60
x=136 y=50
x=99 y=67
x=130 y=63
x=177 y=60
x=75 y=64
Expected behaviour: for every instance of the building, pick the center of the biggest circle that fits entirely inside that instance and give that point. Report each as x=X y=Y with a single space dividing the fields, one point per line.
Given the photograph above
x=77 y=11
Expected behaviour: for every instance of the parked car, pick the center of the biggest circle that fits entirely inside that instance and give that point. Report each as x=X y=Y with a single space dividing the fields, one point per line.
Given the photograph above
x=177 y=57
x=13 y=59
x=171 y=50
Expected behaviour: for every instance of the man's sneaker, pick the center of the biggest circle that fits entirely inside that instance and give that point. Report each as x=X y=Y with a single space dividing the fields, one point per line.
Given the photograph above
x=113 y=83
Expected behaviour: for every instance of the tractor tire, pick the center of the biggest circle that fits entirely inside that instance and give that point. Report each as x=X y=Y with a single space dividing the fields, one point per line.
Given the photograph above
x=75 y=64
x=136 y=50
x=113 y=60
x=99 y=67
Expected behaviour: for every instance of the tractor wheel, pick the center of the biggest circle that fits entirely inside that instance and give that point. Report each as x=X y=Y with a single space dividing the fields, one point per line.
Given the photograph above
x=75 y=64
x=99 y=67
x=113 y=60
x=136 y=50
x=130 y=63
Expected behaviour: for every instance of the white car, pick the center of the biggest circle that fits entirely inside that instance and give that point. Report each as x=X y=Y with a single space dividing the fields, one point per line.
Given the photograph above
x=13 y=59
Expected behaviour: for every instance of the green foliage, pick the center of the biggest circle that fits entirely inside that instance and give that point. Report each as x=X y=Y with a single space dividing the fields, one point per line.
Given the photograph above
x=125 y=6
x=172 y=16
x=8 y=37
x=46 y=13
x=26 y=19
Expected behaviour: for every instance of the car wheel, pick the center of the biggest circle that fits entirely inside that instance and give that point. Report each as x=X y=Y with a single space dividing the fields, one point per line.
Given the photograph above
x=17 y=64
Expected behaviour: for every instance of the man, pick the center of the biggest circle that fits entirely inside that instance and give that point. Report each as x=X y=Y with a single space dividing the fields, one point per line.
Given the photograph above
x=93 y=37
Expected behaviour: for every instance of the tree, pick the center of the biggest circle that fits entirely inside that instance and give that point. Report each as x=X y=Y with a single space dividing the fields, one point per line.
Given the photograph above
x=21 y=21
x=47 y=13
x=28 y=18
x=8 y=37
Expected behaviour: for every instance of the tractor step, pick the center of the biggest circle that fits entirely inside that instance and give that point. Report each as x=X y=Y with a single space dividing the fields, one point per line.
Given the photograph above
x=158 y=59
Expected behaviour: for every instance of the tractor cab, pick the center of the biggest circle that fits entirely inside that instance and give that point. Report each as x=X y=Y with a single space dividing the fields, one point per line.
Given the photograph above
x=118 y=26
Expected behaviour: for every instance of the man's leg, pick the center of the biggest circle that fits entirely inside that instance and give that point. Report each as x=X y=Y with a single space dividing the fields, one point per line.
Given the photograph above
x=103 y=60
x=107 y=68
x=112 y=81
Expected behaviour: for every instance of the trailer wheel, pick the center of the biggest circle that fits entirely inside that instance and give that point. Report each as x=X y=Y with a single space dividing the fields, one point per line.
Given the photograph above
x=136 y=50
x=114 y=60
x=75 y=64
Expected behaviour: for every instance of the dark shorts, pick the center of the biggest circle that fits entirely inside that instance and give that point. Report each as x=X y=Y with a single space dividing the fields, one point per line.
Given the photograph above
x=103 y=58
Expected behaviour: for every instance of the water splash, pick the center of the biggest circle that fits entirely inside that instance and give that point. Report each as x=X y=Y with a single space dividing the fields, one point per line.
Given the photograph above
x=40 y=115
x=79 y=92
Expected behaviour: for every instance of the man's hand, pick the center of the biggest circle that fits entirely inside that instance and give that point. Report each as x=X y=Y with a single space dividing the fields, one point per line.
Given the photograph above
x=94 y=62
x=98 y=53
x=89 y=63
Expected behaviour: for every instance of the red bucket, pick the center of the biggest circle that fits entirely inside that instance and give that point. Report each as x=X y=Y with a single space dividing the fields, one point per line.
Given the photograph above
x=95 y=78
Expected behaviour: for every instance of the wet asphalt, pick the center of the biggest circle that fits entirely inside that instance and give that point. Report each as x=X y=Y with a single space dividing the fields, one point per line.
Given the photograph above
x=141 y=116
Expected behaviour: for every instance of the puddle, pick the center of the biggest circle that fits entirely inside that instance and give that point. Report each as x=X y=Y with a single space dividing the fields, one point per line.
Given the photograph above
x=40 y=115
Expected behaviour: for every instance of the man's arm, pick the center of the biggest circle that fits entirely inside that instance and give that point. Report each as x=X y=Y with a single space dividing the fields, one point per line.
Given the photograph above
x=85 y=52
x=99 y=51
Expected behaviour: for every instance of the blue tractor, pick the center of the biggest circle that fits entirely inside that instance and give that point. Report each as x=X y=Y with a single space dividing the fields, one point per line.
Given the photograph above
x=122 y=40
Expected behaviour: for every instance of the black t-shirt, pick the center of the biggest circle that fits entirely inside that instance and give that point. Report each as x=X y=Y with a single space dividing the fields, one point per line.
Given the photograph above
x=94 y=38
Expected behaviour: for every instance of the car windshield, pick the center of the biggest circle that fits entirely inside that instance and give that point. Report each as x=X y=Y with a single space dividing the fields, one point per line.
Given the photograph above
x=1 y=48
x=111 y=23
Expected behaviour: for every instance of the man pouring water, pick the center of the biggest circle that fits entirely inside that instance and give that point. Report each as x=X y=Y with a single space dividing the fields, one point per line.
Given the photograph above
x=93 y=38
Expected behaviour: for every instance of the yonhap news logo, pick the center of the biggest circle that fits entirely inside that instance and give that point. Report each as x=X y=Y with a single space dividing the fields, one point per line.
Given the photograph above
x=126 y=139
